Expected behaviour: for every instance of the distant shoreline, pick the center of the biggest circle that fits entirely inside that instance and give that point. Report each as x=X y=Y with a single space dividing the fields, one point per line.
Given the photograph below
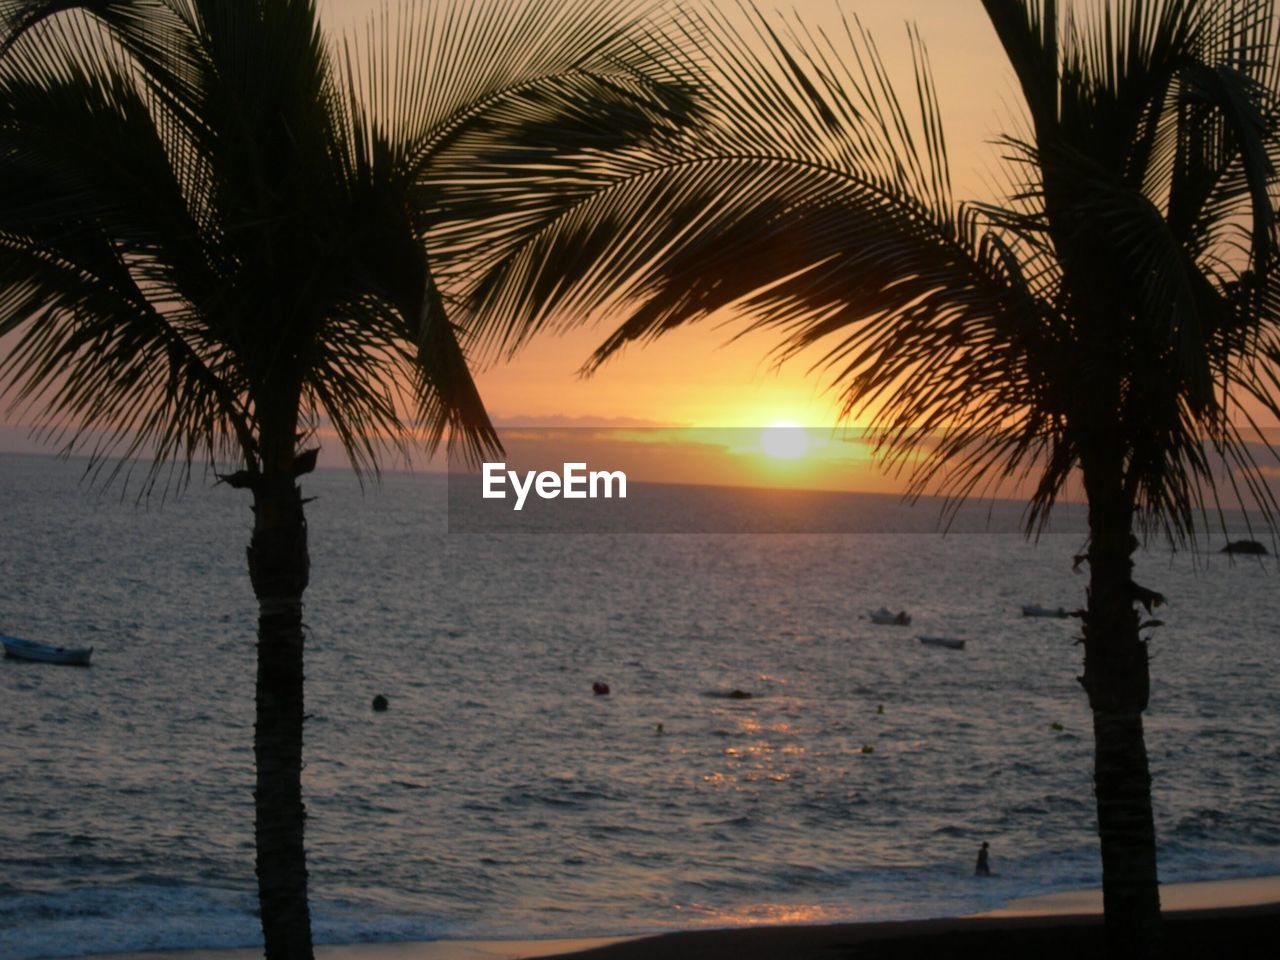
x=1237 y=918
x=976 y=514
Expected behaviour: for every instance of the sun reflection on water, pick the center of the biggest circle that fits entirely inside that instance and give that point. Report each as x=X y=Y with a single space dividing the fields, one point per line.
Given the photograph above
x=766 y=751
x=759 y=914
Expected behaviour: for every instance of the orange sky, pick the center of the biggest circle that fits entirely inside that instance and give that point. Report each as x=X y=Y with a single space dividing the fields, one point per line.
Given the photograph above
x=695 y=377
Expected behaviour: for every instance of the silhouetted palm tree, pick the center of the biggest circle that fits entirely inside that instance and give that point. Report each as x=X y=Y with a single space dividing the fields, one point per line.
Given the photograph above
x=1117 y=317
x=215 y=239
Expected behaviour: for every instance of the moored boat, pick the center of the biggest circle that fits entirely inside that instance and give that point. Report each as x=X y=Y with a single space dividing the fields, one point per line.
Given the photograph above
x=951 y=643
x=1034 y=610
x=45 y=653
x=888 y=618
x=1249 y=548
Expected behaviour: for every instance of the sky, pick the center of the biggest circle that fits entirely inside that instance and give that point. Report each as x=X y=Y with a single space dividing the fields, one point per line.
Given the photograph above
x=703 y=377
x=696 y=377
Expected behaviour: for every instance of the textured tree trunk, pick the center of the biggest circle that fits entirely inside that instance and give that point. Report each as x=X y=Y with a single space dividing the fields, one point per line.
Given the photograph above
x=279 y=567
x=1117 y=680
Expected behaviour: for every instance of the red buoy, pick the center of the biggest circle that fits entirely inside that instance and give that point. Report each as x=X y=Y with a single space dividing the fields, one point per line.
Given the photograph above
x=599 y=689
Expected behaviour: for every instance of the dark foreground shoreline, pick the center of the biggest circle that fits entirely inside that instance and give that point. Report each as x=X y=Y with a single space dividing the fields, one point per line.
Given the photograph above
x=1236 y=919
x=1238 y=933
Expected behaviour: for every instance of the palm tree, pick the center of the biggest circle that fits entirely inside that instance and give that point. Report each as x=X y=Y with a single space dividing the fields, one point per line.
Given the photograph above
x=215 y=240
x=1115 y=318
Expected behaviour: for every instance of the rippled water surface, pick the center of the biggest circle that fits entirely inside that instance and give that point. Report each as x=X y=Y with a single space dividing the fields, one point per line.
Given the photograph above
x=499 y=797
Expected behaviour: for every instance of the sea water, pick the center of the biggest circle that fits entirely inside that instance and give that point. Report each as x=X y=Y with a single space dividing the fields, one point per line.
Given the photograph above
x=498 y=797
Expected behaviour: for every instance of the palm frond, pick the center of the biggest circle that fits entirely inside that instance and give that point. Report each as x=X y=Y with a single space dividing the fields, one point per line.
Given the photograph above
x=1152 y=159
x=209 y=241
x=813 y=200
x=95 y=232
x=794 y=119
x=573 y=76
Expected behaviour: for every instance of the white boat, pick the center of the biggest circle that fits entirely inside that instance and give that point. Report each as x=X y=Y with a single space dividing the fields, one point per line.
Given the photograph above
x=951 y=643
x=888 y=618
x=45 y=653
x=1032 y=610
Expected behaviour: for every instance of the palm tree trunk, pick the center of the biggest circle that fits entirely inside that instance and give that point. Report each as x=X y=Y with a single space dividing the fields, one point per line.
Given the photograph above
x=279 y=567
x=1117 y=680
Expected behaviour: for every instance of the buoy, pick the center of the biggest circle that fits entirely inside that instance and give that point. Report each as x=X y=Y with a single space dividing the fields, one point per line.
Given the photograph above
x=879 y=708
x=867 y=748
x=1055 y=726
x=379 y=703
x=600 y=689
x=657 y=728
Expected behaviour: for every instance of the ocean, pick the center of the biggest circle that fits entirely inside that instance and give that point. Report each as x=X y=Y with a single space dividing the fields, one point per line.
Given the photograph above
x=498 y=797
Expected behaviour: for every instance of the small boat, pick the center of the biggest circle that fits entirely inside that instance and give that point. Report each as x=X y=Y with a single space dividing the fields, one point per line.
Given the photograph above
x=45 y=653
x=1032 y=610
x=888 y=618
x=1249 y=548
x=951 y=643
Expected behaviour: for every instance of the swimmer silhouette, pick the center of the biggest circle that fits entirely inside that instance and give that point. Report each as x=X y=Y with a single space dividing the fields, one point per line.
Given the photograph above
x=983 y=869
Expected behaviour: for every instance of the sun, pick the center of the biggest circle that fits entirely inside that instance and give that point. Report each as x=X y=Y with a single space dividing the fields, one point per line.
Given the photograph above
x=784 y=440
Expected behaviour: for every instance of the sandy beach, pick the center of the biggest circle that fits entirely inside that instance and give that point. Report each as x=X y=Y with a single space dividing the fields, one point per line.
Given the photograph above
x=1234 y=918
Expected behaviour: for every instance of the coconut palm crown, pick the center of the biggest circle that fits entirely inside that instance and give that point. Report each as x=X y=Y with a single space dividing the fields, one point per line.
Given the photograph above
x=215 y=241
x=1115 y=318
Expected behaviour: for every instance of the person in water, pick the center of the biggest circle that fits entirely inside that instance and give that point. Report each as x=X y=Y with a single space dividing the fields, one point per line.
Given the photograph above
x=983 y=869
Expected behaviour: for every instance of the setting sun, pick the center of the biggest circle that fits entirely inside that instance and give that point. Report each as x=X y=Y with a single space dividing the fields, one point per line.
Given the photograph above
x=784 y=440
